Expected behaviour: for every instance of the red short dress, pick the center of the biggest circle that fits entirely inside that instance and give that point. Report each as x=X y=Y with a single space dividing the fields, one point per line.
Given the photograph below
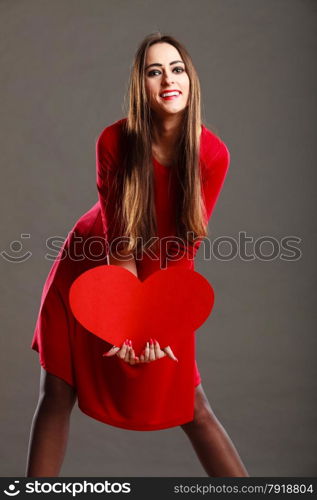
x=147 y=396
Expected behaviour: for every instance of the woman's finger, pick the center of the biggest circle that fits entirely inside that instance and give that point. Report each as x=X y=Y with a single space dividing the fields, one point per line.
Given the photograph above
x=152 y=351
x=121 y=354
x=114 y=349
x=158 y=352
x=123 y=351
x=147 y=353
x=127 y=354
x=170 y=353
x=132 y=359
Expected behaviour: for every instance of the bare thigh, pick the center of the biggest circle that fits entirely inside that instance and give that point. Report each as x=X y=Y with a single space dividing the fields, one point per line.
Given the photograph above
x=202 y=409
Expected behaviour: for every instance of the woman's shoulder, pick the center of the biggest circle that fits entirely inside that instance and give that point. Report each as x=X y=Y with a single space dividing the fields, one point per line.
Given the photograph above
x=110 y=144
x=88 y=223
x=213 y=150
x=112 y=132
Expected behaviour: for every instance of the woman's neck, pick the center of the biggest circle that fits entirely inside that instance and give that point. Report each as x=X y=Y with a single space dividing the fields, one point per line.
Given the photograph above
x=165 y=133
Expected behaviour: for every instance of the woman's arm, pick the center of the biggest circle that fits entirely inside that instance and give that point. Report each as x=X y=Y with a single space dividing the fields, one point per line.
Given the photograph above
x=50 y=427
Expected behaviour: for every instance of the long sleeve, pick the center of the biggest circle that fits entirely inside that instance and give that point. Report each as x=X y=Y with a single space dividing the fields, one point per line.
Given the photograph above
x=105 y=177
x=214 y=177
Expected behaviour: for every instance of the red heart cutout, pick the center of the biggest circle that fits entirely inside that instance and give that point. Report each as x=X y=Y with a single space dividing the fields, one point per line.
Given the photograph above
x=112 y=303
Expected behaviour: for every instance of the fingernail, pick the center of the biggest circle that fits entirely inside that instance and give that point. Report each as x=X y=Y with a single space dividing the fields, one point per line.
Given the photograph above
x=130 y=342
x=126 y=341
x=176 y=359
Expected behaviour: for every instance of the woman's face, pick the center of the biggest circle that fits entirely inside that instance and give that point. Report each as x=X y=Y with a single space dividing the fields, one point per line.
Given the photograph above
x=165 y=71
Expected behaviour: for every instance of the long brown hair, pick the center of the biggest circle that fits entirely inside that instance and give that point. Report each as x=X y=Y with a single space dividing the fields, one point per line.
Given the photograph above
x=134 y=185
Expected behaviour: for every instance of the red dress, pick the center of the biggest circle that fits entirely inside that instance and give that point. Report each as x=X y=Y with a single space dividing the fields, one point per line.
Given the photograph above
x=148 y=396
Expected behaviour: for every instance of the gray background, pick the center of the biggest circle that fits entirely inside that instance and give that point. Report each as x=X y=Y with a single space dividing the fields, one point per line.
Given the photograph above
x=64 y=71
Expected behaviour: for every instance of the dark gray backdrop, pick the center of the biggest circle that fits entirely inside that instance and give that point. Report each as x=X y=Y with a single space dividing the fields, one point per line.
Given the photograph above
x=64 y=70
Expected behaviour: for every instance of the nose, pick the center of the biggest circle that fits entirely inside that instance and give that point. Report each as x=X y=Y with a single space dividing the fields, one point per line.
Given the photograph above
x=168 y=78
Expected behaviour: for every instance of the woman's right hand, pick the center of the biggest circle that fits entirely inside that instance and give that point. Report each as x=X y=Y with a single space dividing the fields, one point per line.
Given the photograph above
x=151 y=352
x=125 y=352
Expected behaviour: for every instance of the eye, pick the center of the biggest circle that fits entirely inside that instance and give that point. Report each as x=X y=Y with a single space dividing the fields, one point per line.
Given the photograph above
x=154 y=71
x=151 y=73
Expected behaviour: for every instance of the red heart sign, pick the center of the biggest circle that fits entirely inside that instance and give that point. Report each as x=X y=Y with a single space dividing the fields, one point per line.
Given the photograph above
x=112 y=303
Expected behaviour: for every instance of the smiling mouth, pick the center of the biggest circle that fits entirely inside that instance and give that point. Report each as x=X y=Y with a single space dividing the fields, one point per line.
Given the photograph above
x=170 y=96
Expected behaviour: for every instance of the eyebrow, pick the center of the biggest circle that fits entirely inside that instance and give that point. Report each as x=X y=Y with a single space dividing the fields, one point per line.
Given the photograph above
x=158 y=64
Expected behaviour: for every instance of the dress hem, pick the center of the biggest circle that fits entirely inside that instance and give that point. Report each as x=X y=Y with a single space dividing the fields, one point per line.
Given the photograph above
x=136 y=427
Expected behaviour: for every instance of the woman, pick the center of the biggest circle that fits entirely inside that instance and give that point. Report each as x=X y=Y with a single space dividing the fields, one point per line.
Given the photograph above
x=159 y=173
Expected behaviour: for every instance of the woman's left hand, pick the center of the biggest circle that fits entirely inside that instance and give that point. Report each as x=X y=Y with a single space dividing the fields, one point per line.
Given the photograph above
x=153 y=351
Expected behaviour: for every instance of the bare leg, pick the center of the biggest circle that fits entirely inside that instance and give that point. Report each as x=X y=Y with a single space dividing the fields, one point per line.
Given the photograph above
x=211 y=442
